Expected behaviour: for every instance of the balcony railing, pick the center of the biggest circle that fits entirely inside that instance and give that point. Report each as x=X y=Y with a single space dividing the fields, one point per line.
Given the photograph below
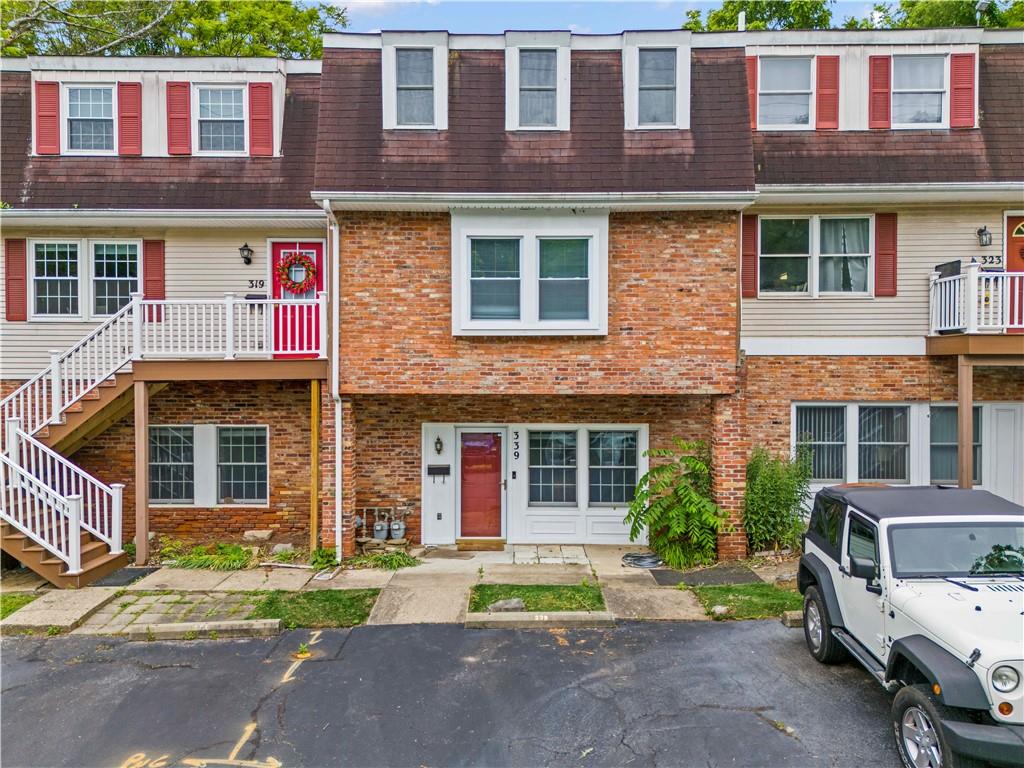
x=977 y=302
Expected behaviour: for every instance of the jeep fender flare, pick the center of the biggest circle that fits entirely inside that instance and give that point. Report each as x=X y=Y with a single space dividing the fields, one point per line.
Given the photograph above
x=814 y=571
x=959 y=685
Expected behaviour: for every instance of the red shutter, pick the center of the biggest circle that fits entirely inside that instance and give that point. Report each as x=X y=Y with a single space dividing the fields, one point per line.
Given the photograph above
x=47 y=118
x=153 y=277
x=880 y=95
x=261 y=120
x=179 y=118
x=752 y=90
x=885 y=254
x=16 y=280
x=827 y=90
x=129 y=118
x=748 y=257
x=961 y=90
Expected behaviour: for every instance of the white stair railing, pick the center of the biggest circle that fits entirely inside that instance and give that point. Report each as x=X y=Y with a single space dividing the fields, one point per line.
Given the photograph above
x=101 y=505
x=49 y=519
x=976 y=301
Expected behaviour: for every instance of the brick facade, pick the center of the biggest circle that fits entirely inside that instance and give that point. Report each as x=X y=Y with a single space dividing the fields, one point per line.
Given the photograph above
x=283 y=405
x=672 y=325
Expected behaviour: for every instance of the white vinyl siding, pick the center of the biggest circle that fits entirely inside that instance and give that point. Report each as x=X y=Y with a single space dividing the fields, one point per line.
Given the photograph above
x=925 y=237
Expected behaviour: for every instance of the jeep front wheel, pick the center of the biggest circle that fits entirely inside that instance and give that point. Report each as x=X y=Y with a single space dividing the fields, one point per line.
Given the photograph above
x=818 y=631
x=917 y=718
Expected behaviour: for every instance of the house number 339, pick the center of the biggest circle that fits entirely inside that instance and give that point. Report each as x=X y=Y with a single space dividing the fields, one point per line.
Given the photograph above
x=515 y=444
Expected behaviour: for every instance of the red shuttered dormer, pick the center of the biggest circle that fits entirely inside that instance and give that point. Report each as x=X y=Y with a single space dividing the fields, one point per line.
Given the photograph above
x=827 y=93
x=261 y=119
x=129 y=118
x=179 y=118
x=880 y=92
x=47 y=118
x=961 y=90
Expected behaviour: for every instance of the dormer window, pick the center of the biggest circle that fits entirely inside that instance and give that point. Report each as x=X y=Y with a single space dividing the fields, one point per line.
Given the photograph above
x=90 y=113
x=537 y=81
x=657 y=98
x=538 y=88
x=656 y=80
x=918 y=90
x=784 y=93
x=221 y=119
x=414 y=79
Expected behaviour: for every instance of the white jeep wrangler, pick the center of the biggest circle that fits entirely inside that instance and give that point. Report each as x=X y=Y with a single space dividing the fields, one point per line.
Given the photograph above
x=925 y=588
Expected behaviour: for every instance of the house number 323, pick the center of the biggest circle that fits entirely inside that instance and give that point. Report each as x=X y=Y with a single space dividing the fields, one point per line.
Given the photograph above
x=515 y=445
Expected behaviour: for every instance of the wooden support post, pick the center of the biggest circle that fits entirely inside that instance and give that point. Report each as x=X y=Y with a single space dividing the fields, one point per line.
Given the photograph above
x=314 y=461
x=965 y=421
x=141 y=473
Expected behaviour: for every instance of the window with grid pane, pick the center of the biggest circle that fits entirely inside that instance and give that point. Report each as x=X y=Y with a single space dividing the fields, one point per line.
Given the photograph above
x=55 y=278
x=538 y=88
x=945 y=452
x=414 y=78
x=115 y=275
x=918 y=89
x=564 y=279
x=494 y=284
x=171 y=465
x=242 y=465
x=613 y=467
x=822 y=428
x=221 y=120
x=657 y=100
x=784 y=92
x=883 y=450
x=91 y=119
x=553 y=468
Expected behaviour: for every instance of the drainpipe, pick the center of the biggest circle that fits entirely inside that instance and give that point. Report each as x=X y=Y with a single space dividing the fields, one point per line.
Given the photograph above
x=335 y=234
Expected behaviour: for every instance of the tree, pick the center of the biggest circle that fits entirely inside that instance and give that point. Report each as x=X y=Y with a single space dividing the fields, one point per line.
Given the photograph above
x=285 y=28
x=764 y=14
x=916 y=14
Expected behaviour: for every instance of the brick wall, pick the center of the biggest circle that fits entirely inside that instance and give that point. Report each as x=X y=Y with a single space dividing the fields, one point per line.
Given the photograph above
x=386 y=462
x=283 y=405
x=672 y=314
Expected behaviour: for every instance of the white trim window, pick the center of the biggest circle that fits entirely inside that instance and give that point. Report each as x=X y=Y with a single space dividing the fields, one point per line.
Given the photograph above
x=221 y=111
x=816 y=255
x=529 y=274
x=414 y=80
x=919 y=94
x=944 y=451
x=172 y=465
x=554 y=474
x=656 y=80
x=91 y=116
x=612 y=467
x=242 y=467
x=537 y=82
x=822 y=429
x=785 y=93
x=883 y=437
x=82 y=279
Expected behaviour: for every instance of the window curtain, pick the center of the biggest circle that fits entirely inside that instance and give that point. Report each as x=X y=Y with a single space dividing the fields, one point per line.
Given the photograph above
x=841 y=272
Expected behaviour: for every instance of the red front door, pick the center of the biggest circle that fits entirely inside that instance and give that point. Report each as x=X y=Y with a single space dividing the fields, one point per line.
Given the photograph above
x=480 y=484
x=296 y=328
x=1015 y=263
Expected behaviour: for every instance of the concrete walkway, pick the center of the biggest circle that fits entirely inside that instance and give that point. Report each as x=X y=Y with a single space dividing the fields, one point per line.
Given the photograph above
x=136 y=609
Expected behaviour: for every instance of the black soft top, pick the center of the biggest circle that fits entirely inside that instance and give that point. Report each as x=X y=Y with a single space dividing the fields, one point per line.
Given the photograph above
x=886 y=502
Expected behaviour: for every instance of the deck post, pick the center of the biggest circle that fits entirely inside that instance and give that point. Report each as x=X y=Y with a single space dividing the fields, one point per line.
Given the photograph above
x=55 y=386
x=229 y=317
x=971 y=297
x=141 y=473
x=965 y=421
x=116 y=516
x=136 y=326
x=11 y=439
x=74 y=534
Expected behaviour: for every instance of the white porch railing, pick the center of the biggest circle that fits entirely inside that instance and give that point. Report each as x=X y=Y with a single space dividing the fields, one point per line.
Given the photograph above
x=977 y=302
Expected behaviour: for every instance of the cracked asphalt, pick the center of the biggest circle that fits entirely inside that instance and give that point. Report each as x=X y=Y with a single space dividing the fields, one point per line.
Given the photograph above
x=642 y=694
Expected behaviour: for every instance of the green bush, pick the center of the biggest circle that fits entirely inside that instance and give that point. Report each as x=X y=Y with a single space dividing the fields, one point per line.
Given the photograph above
x=773 y=502
x=673 y=502
x=322 y=558
x=388 y=561
x=216 y=557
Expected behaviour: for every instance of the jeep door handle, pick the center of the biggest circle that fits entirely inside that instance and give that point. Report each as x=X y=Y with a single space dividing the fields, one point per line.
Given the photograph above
x=843 y=570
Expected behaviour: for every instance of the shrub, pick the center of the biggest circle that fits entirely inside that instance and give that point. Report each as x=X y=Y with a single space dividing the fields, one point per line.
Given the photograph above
x=673 y=502
x=773 y=502
x=388 y=561
x=322 y=558
x=218 y=557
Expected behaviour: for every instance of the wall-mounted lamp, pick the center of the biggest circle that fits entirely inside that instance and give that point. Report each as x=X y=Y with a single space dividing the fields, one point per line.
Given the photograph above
x=984 y=237
x=438 y=445
x=246 y=253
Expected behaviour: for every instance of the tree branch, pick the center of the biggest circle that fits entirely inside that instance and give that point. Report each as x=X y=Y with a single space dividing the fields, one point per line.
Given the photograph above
x=133 y=34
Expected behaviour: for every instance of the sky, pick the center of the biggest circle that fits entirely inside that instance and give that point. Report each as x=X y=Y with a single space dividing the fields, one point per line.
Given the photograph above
x=483 y=16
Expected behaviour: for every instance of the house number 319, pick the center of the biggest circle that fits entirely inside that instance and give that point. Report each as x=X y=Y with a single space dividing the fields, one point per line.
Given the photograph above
x=515 y=444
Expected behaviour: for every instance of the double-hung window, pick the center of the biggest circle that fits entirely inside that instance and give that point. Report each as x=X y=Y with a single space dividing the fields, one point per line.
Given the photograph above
x=171 y=465
x=529 y=275
x=883 y=453
x=918 y=91
x=242 y=465
x=55 y=285
x=83 y=278
x=815 y=255
x=855 y=442
x=944 y=450
x=414 y=81
x=785 y=93
x=221 y=121
x=538 y=88
x=537 y=81
x=656 y=104
x=90 y=111
x=612 y=467
x=822 y=429
x=414 y=84
x=115 y=275
x=553 y=472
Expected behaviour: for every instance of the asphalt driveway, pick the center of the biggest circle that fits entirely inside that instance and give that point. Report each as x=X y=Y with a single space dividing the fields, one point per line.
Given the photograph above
x=645 y=694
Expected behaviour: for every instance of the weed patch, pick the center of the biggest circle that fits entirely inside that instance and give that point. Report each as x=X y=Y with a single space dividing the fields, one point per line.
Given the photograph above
x=748 y=601
x=317 y=609
x=12 y=601
x=539 y=597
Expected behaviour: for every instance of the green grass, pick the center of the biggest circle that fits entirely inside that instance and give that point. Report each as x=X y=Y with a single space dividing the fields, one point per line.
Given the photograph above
x=539 y=597
x=318 y=608
x=389 y=561
x=748 y=601
x=216 y=557
x=12 y=601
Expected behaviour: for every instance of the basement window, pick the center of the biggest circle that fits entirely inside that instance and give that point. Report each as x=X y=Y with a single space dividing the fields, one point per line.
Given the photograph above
x=171 y=465
x=242 y=465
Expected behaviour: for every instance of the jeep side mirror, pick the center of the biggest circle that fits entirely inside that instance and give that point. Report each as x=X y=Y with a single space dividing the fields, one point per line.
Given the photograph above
x=862 y=568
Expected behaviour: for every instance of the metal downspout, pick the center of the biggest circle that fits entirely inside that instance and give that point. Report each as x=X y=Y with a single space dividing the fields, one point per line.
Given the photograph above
x=335 y=373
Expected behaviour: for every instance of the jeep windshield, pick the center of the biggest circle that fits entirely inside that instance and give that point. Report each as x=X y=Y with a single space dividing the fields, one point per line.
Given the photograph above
x=957 y=549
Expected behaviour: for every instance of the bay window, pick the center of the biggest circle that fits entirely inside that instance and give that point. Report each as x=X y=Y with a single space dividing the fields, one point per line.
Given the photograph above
x=918 y=90
x=815 y=255
x=784 y=93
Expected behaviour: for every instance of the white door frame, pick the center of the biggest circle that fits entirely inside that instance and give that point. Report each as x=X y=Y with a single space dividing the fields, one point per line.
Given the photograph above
x=470 y=429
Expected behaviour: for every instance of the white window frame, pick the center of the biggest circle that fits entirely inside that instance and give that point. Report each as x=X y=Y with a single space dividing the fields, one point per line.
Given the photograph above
x=215 y=86
x=632 y=44
x=815 y=255
x=216 y=448
x=85 y=275
x=529 y=229
x=92 y=270
x=978 y=420
x=165 y=503
x=65 y=118
x=557 y=41
x=438 y=43
x=811 y=96
x=944 y=123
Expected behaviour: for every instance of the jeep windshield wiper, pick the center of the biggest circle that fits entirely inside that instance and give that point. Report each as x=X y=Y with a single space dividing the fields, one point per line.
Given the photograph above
x=982 y=574
x=960 y=584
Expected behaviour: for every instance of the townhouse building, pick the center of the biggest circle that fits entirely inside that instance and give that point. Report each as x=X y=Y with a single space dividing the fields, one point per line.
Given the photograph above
x=467 y=281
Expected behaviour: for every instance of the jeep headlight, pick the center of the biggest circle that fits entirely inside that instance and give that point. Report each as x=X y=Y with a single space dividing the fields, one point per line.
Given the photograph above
x=1005 y=679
